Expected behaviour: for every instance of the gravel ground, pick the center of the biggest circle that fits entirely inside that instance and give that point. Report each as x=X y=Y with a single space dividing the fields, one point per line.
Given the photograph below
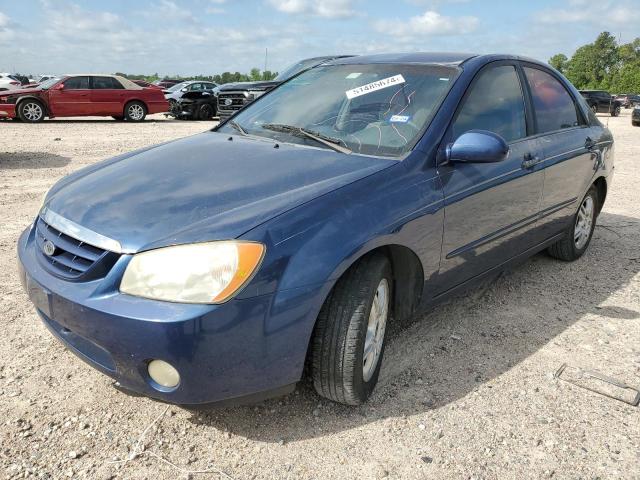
x=466 y=391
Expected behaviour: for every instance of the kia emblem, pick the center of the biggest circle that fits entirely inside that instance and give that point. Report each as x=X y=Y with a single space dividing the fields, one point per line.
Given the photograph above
x=48 y=248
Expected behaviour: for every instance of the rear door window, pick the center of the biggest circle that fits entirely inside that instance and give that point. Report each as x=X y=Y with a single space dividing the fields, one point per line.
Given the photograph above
x=553 y=105
x=495 y=103
x=106 y=83
x=76 y=83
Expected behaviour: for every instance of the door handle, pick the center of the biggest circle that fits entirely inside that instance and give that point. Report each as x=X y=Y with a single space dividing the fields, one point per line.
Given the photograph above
x=530 y=161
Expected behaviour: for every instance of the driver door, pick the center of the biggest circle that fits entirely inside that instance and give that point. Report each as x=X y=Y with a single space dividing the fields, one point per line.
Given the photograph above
x=490 y=208
x=73 y=99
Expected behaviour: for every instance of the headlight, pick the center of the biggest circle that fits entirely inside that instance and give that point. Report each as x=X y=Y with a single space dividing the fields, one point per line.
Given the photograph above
x=197 y=273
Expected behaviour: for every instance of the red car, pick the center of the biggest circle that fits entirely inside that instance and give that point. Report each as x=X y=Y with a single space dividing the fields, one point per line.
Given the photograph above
x=83 y=95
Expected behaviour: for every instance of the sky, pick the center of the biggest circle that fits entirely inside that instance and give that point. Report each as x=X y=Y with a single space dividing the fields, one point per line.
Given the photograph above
x=191 y=37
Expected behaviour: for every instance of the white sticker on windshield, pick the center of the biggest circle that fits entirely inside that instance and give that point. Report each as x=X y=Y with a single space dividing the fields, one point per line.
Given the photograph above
x=373 y=86
x=399 y=118
x=353 y=75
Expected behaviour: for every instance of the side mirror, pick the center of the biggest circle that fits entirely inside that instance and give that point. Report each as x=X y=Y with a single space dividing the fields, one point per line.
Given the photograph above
x=206 y=94
x=60 y=86
x=478 y=146
x=185 y=89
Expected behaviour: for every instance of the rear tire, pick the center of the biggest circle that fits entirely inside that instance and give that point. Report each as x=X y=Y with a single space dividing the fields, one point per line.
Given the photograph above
x=31 y=111
x=348 y=340
x=578 y=237
x=615 y=112
x=135 y=111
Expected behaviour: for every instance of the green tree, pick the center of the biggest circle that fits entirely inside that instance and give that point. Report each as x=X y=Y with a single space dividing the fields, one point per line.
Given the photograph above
x=559 y=62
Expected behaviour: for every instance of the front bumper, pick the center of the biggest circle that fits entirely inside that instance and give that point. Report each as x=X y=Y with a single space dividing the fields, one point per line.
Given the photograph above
x=7 y=110
x=222 y=352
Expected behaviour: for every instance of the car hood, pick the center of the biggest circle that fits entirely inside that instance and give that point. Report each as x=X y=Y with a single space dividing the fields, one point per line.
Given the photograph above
x=206 y=187
x=249 y=86
x=22 y=91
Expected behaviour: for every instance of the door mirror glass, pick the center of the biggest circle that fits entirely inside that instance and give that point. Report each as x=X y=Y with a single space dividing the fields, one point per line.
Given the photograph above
x=60 y=86
x=478 y=146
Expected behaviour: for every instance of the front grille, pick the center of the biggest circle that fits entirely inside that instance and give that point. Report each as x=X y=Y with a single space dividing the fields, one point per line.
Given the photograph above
x=71 y=258
x=237 y=101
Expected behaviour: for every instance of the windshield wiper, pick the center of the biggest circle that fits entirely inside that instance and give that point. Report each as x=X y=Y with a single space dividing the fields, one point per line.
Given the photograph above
x=330 y=142
x=237 y=126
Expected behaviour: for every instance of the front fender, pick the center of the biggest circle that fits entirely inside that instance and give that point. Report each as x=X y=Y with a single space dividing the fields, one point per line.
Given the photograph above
x=315 y=243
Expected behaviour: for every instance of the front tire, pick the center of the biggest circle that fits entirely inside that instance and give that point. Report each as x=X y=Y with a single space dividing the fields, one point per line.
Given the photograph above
x=576 y=241
x=348 y=339
x=135 y=111
x=31 y=111
x=616 y=111
x=205 y=112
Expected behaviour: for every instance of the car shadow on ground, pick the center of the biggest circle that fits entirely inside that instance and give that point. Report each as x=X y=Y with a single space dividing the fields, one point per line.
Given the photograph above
x=450 y=352
x=31 y=160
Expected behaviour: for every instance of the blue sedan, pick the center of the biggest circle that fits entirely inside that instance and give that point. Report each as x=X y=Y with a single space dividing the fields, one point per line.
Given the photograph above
x=216 y=267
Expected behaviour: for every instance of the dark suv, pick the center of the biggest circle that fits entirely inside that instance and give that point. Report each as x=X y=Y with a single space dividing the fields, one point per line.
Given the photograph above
x=601 y=101
x=233 y=96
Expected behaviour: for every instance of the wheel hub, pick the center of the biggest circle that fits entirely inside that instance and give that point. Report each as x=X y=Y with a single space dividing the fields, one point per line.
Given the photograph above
x=584 y=222
x=375 y=330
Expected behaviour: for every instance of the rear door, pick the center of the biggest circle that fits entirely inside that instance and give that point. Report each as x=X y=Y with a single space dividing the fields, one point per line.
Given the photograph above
x=490 y=208
x=73 y=99
x=569 y=151
x=107 y=96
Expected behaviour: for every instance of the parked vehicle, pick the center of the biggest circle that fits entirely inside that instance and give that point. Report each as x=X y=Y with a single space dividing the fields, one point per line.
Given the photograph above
x=83 y=95
x=234 y=96
x=635 y=116
x=601 y=101
x=216 y=266
x=145 y=84
x=167 y=82
x=7 y=82
x=624 y=99
x=44 y=78
x=196 y=105
x=176 y=92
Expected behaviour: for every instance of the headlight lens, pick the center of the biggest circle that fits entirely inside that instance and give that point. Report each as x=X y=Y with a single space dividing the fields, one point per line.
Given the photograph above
x=197 y=273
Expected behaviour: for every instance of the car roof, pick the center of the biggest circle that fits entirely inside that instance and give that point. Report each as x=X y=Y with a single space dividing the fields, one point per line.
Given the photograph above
x=433 y=58
x=450 y=58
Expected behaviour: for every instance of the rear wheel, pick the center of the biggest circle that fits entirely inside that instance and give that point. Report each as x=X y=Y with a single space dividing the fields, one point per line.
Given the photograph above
x=31 y=111
x=348 y=340
x=616 y=111
x=135 y=111
x=578 y=236
x=594 y=109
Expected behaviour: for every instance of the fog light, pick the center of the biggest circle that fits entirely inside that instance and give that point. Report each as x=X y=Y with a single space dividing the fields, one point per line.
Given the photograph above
x=163 y=373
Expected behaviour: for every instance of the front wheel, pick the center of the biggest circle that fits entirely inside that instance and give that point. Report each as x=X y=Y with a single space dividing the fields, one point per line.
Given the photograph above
x=348 y=340
x=31 y=111
x=205 y=112
x=575 y=242
x=616 y=111
x=594 y=109
x=135 y=111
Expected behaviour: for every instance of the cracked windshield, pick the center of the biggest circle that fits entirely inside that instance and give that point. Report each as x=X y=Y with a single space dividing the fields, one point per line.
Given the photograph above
x=375 y=109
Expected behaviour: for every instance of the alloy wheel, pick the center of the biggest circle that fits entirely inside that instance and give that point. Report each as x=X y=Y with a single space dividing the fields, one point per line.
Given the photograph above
x=375 y=330
x=32 y=111
x=136 y=112
x=584 y=222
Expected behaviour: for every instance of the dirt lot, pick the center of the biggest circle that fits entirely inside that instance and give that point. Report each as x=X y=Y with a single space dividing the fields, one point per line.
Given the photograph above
x=465 y=392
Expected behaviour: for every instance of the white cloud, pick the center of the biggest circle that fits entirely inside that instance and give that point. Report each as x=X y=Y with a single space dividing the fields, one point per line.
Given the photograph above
x=320 y=8
x=609 y=14
x=7 y=33
x=427 y=24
